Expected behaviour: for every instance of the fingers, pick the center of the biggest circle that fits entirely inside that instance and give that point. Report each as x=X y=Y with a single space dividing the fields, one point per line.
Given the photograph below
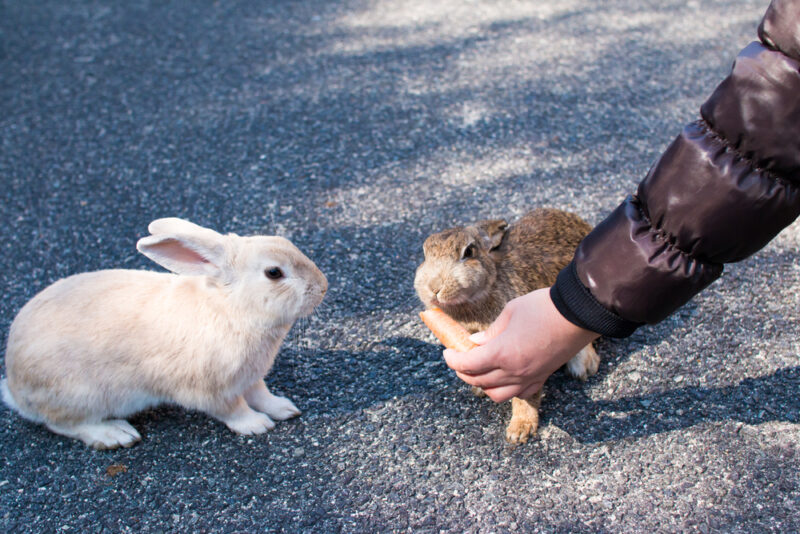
x=492 y=379
x=478 y=361
x=504 y=393
x=494 y=329
x=479 y=338
x=529 y=391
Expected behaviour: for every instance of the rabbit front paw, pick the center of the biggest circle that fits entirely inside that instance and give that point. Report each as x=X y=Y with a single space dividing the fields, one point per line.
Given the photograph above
x=242 y=419
x=519 y=429
x=250 y=423
x=261 y=399
x=281 y=408
x=524 y=419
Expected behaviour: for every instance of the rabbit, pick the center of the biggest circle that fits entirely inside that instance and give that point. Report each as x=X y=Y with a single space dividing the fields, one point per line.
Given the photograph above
x=96 y=347
x=471 y=272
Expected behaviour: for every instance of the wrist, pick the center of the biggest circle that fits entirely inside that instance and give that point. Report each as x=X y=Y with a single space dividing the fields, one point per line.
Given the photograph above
x=569 y=329
x=576 y=304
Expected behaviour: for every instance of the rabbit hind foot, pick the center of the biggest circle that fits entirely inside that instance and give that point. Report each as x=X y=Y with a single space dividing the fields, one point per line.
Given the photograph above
x=108 y=434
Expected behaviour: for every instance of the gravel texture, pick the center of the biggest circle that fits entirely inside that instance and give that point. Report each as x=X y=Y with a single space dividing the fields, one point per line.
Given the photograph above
x=356 y=128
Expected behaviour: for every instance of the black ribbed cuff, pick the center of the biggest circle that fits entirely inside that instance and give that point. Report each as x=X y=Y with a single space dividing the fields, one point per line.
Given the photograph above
x=574 y=301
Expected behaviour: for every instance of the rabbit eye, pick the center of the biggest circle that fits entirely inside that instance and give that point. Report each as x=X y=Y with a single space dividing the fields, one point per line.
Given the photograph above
x=273 y=273
x=469 y=252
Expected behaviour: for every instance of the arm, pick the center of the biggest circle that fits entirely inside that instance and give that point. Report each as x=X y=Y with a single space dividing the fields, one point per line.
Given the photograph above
x=721 y=191
x=724 y=188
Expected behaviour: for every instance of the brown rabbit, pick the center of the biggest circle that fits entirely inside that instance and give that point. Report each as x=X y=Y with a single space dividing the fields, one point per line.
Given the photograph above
x=471 y=273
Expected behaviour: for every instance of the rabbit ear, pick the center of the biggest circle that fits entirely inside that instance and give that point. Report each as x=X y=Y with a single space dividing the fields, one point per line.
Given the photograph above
x=174 y=225
x=184 y=248
x=495 y=230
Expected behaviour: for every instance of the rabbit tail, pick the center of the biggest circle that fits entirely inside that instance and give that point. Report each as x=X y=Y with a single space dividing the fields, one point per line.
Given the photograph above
x=7 y=398
x=11 y=403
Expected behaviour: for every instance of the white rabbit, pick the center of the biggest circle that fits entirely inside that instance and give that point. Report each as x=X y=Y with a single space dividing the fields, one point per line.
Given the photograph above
x=96 y=347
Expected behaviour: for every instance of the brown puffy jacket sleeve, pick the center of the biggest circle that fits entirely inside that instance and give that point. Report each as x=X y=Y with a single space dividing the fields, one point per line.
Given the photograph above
x=723 y=189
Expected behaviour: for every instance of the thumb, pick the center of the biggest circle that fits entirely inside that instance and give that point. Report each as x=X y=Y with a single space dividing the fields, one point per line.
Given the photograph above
x=499 y=324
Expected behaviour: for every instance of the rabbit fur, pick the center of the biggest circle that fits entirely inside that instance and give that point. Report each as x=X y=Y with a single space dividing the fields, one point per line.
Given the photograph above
x=96 y=347
x=471 y=272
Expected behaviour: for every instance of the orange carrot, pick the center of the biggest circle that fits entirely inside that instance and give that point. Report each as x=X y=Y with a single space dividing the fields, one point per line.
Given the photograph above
x=451 y=334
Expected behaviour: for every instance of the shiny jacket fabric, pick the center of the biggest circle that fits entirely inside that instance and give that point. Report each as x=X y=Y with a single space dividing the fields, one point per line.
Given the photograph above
x=723 y=189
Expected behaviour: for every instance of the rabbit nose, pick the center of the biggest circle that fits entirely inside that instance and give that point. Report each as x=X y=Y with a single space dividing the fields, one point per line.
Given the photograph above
x=435 y=287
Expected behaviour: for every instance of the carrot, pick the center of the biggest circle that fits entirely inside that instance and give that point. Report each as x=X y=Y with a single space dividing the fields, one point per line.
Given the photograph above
x=451 y=334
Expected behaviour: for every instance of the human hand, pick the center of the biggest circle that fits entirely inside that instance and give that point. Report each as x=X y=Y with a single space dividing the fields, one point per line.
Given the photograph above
x=527 y=343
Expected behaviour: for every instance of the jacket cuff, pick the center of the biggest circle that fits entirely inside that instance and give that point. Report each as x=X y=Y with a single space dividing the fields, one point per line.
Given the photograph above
x=575 y=302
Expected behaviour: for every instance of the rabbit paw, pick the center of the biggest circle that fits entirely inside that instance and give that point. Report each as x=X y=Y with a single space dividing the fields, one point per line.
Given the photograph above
x=109 y=434
x=259 y=398
x=584 y=364
x=281 y=408
x=519 y=429
x=249 y=423
x=478 y=392
x=524 y=419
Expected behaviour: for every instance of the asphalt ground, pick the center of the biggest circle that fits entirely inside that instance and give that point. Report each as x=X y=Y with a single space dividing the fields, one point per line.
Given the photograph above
x=356 y=128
